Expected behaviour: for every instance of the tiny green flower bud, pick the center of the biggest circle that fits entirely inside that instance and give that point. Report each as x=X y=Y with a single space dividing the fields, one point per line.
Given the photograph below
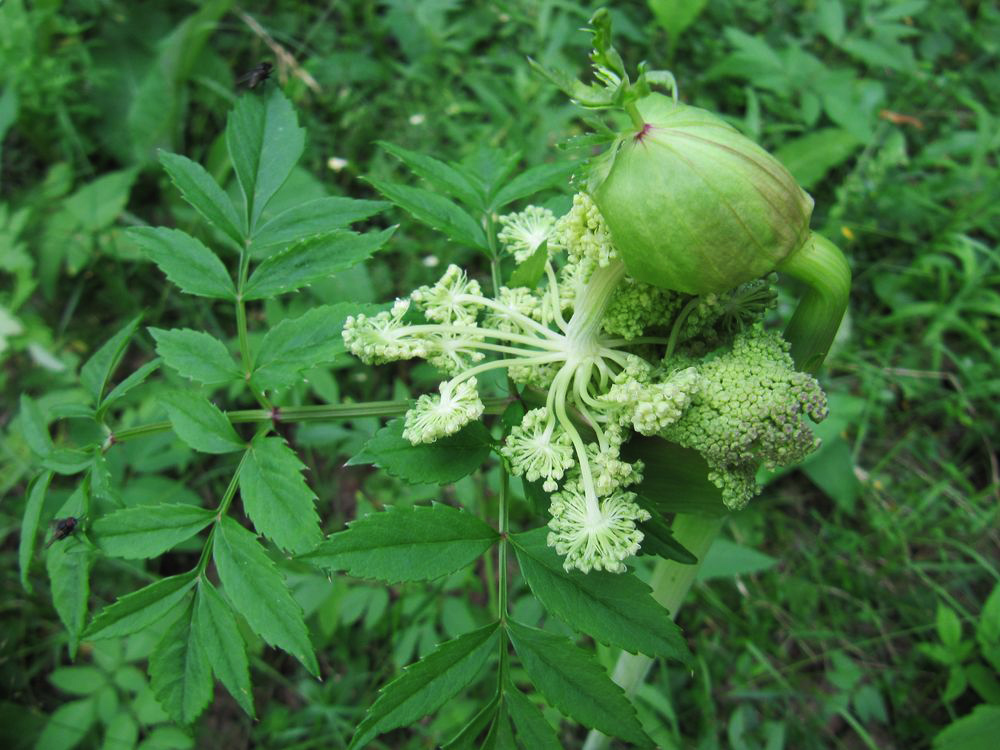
x=694 y=206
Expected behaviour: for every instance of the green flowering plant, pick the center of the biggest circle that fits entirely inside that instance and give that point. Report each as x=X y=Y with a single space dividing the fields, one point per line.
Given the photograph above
x=634 y=411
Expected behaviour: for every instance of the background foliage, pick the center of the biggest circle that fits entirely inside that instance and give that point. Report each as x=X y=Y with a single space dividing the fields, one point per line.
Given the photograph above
x=846 y=608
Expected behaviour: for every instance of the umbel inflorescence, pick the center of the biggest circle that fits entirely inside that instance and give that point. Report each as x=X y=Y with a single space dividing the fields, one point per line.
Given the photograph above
x=610 y=355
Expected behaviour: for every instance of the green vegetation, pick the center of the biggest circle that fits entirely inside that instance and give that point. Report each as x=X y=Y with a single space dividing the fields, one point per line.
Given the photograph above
x=179 y=256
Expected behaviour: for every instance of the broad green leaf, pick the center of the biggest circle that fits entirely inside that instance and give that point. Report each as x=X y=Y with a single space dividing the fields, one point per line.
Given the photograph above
x=68 y=461
x=616 y=609
x=726 y=559
x=276 y=496
x=204 y=194
x=199 y=423
x=319 y=216
x=258 y=592
x=68 y=564
x=675 y=479
x=33 y=427
x=406 y=544
x=97 y=204
x=29 y=524
x=179 y=672
x=301 y=343
x=97 y=371
x=572 y=680
x=196 y=355
x=435 y=211
x=68 y=725
x=140 y=609
x=530 y=272
x=312 y=259
x=185 y=261
x=122 y=732
x=441 y=462
x=658 y=539
x=975 y=731
x=82 y=680
x=531 y=181
x=532 y=729
x=676 y=15
x=442 y=176
x=424 y=687
x=810 y=157
x=148 y=530
x=265 y=142
x=220 y=636
x=134 y=380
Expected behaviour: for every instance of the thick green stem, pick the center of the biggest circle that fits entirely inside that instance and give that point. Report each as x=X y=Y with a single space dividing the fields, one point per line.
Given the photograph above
x=671 y=582
x=823 y=268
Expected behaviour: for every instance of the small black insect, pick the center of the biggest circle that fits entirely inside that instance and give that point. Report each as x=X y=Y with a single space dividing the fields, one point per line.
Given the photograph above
x=257 y=76
x=64 y=528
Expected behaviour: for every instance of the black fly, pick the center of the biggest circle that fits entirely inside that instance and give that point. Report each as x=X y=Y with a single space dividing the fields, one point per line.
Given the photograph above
x=64 y=528
x=257 y=76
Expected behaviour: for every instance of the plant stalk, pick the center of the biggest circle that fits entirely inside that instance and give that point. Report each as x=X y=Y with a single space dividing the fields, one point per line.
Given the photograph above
x=671 y=582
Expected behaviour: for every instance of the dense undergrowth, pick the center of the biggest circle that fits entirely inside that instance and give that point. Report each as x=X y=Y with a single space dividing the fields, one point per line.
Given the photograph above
x=844 y=608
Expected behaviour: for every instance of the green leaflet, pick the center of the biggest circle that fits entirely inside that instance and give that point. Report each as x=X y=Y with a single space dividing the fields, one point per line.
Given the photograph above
x=572 y=680
x=196 y=355
x=199 y=423
x=436 y=211
x=34 y=428
x=135 y=379
x=149 y=530
x=258 y=592
x=68 y=565
x=441 y=462
x=276 y=496
x=179 y=671
x=204 y=194
x=616 y=609
x=531 y=181
x=312 y=259
x=424 y=687
x=185 y=261
x=68 y=724
x=265 y=142
x=140 y=609
x=29 y=524
x=97 y=371
x=222 y=641
x=406 y=544
x=319 y=216
x=442 y=176
x=297 y=344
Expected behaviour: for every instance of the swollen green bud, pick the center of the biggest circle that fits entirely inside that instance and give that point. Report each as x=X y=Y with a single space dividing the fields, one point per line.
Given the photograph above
x=694 y=206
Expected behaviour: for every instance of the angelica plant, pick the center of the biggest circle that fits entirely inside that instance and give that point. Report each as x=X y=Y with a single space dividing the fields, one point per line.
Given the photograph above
x=636 y=409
